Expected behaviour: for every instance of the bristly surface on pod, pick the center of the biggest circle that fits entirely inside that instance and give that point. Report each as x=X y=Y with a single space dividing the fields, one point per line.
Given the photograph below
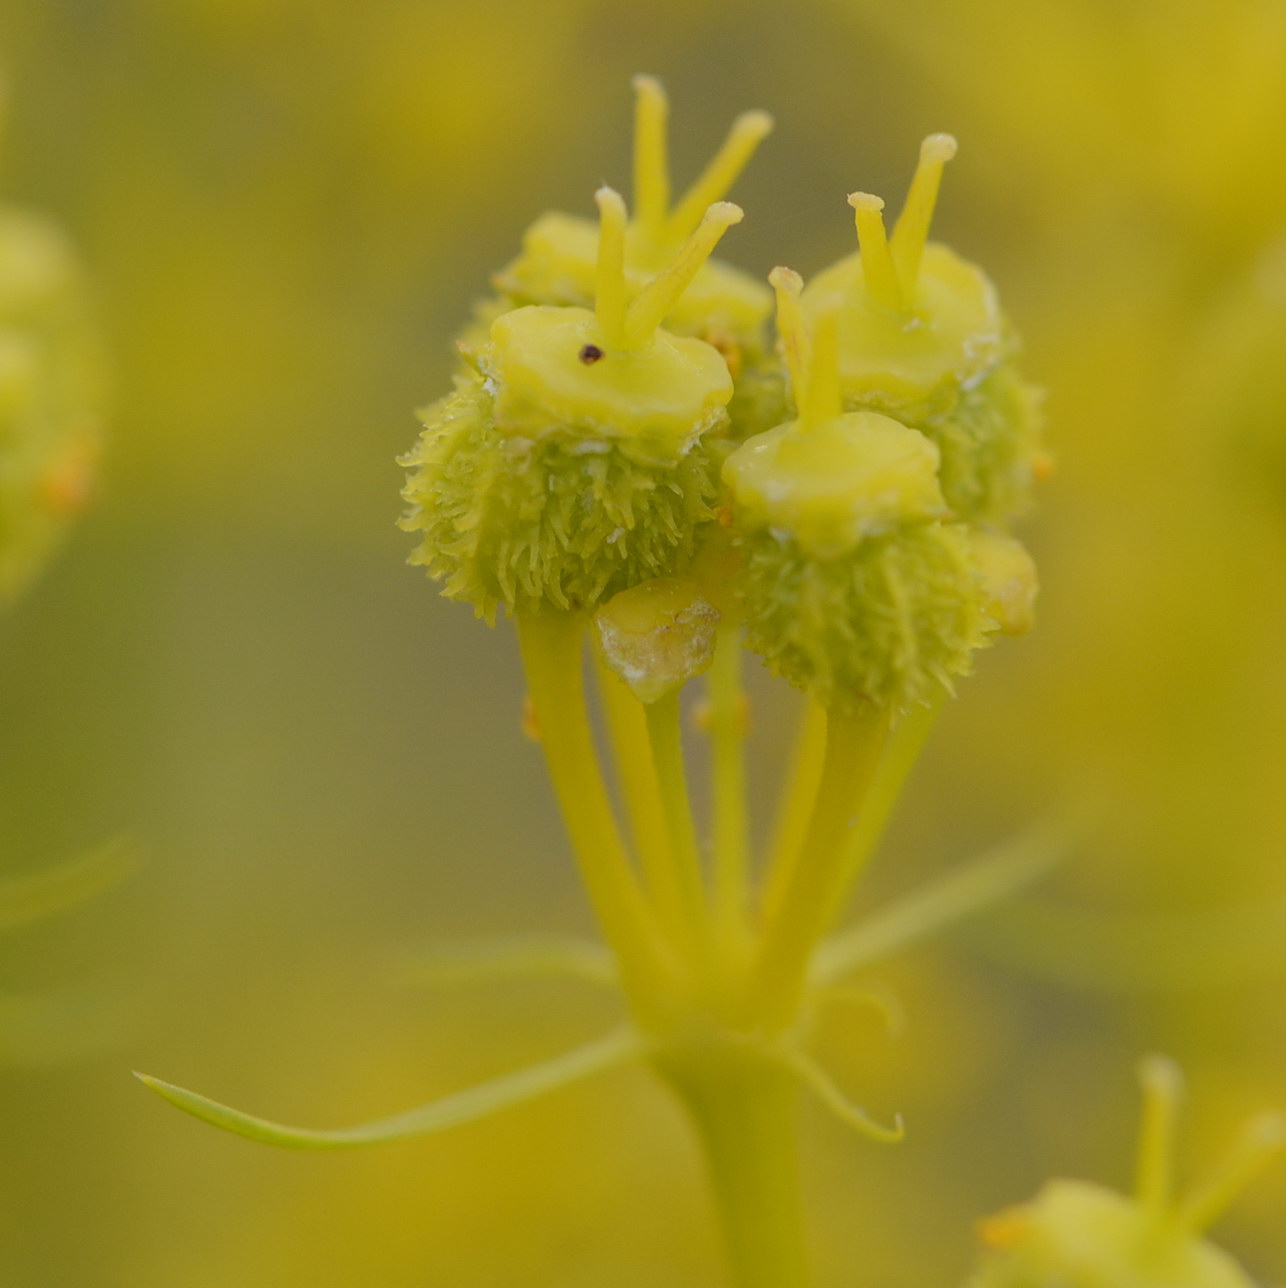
x=578 y=456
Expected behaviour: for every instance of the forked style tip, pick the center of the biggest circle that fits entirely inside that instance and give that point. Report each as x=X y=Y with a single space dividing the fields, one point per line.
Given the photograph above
x=724 y=168
x=647 y=86
x=789 y=286
x=651 y=155
x=939 y=148
x=1159 y=1075
x=755 y=125
x=724 y=213
x=865 y=201
x=912 y=230
x=883 y=281
x=786 y=280
x=649 y=307
x=609 y=285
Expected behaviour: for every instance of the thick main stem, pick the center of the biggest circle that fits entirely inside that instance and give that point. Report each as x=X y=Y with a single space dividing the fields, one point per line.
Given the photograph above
x=745 y=1107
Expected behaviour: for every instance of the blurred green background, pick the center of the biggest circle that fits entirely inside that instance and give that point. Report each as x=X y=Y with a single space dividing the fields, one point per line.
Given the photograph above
x=288 y=209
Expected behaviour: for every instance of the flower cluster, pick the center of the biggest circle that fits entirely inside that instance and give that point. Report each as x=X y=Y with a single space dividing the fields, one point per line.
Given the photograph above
x=626 y=458
x=619 y=417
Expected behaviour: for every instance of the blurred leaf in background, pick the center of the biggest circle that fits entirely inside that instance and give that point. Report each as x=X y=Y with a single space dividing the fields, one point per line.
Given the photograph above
x=289 y=210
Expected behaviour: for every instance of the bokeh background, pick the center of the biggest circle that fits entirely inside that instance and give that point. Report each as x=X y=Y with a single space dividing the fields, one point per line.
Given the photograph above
x=288 y=208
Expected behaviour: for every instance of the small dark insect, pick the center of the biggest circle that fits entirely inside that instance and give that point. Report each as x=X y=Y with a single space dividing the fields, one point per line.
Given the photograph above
x=590 y=354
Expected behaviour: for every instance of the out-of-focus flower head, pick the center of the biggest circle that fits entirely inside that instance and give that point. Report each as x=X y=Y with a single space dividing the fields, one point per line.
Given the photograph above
x=50 y=394
x=1078 y=1235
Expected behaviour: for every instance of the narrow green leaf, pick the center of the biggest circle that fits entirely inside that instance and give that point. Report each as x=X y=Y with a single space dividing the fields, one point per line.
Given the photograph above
x=49 y=891
x=1137 y=952
x=605 y=1053
x=998 y=874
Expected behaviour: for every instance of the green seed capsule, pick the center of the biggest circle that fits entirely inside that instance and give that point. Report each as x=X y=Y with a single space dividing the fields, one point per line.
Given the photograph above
x=574 y=460
x=891 y=623
x=853 y=585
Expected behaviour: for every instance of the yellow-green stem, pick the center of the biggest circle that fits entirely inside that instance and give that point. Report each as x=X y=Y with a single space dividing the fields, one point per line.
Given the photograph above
x=551 y=652
x=665 y=734
x=728 y=786
x=795 y=807
x=641 y=792
x=854 y=740
x=901 y=752
x=745 y=1106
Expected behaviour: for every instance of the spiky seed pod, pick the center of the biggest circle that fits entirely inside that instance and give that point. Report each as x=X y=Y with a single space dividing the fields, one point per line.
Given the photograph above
x=574 y=460
x=1078 y=1235
x=923 y=339
x=51 y=395
x=853 y=586
x=891 y=623
x=723 y=305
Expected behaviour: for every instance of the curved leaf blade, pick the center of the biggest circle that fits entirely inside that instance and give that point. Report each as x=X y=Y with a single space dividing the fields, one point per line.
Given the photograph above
x=614 y=1049
x=45 y=893
x=998 y=874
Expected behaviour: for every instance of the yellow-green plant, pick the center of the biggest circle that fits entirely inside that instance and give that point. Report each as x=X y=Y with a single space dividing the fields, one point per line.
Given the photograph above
x=587 y=477
x=1078 y=1235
